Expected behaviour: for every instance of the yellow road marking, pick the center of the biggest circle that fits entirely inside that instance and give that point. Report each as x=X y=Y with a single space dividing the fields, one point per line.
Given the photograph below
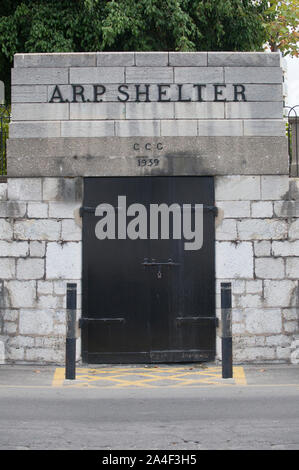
x=239 y=375
x=58 y=377
x=147 y=377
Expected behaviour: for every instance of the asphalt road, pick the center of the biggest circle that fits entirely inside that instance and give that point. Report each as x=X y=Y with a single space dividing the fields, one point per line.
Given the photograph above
x=264 y=414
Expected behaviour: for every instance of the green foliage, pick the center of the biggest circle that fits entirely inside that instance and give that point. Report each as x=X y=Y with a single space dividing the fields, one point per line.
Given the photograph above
x=4 y=127
x=116 y=25
x=282 y=26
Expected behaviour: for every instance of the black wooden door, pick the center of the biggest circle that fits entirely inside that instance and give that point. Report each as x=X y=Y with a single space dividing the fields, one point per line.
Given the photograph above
x=147 y=300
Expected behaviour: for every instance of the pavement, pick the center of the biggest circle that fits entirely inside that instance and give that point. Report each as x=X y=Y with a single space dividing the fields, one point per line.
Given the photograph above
x=163 y=407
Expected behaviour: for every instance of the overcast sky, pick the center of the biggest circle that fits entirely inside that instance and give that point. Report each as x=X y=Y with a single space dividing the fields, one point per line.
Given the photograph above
x=293 y=81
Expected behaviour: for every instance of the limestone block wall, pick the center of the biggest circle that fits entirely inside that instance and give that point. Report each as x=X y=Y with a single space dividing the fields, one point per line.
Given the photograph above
x=92 y=114
x=257 y=249
x=40 y=252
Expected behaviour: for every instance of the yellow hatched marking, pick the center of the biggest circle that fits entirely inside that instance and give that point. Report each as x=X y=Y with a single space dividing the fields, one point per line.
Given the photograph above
x=148 y=377
x=58 y=377
x=239 y=376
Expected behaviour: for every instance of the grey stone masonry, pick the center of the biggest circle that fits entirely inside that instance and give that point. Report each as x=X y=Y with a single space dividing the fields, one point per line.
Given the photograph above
x=147 y=94
x=258 y=252
x=40 y=252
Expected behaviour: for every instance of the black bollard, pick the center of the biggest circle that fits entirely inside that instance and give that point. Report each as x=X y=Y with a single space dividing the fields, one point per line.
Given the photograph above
x=226 y=342
x=70 y=347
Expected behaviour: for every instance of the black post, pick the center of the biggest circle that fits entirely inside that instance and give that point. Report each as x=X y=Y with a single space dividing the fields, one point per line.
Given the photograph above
x=227 y=344
x=70 y=347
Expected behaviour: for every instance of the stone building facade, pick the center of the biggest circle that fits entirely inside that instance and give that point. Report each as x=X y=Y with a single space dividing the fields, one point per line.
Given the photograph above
x=93 y=114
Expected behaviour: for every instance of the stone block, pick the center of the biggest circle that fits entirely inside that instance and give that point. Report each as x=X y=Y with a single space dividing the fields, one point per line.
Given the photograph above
x=151 y=59
x=10 y=328
x=45 y=355
x=24 y=189
x=283 y=353
x=57 y=59
x=49 y=302
x=21 y=294
x=39 y=76
x=59 y=157
x=291 y=326
x=63 y=261
x=244 y=59
x=29 y=94
x=274 y=187
x=21 y=341
x=87 y=128
x=148 y=75
x=10 y=315
x=204 y=110
x=250 y=301
x=280 y=293
x=262 y=209
x=30 y=268
x=35 y=322
x=234 y=209
x=286 y=209
x=178 y=127
x=269 y=268
x=264 y=127
x=137 y=128
x=37 y=249
x=44 y=288
x=198 y=75
x=12 y=209
x=104 y=111
x=294 y=189
x=262 y=92
x=253 y=75
x=266 y=321
x=34 y=129
x=262 y=229
x=191 y=59
x=62 y=209
x=237 y=188
x=37 y=229
x=150 y=111
x=292 y=268
x=238 y=286
x=254 y=287
x=13 y=249
x=115 y=59
x=253 y=110
x=291 y=314
x=16 y=354
x=3 y=191
x=285 y=248
x=62 y=189
x=234 y=260
x=6 y=230
x=258 y=354
x=262 y=248
x=294 y=230
x=40 y=111
x=70 y=231
x=220 y=128
x=93 y=75
x=37 y=210
x=227 y=230
x=7 y=268
x=278 y=340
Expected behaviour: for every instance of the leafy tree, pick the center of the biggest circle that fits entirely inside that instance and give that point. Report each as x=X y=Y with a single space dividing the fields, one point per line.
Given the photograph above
x=282 y=26
x=116 y=25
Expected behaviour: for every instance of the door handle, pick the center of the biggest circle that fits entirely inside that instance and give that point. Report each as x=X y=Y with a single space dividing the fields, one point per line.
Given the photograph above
x=153 y=262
